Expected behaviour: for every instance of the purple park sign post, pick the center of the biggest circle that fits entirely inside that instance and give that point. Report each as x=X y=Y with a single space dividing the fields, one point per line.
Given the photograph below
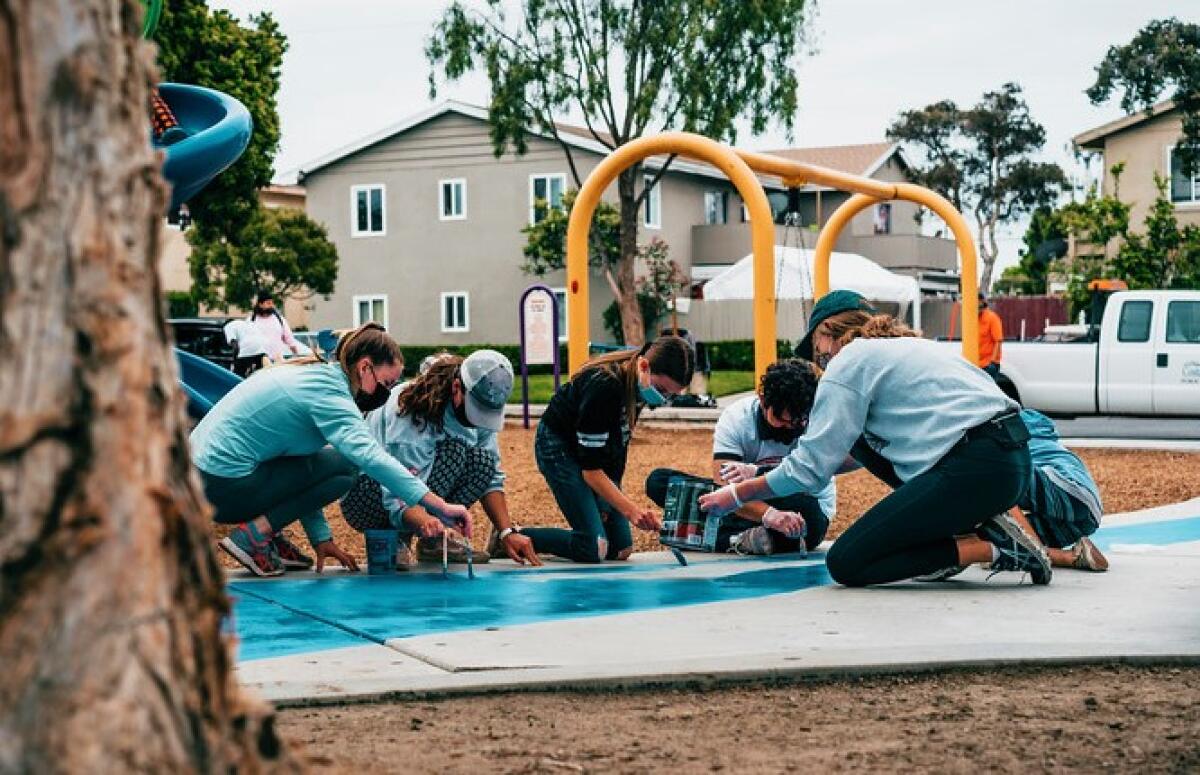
x=539 y=336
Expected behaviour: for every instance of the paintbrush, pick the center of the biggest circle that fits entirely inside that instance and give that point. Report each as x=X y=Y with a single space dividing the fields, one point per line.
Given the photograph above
x=445 y=561
x=470 y=559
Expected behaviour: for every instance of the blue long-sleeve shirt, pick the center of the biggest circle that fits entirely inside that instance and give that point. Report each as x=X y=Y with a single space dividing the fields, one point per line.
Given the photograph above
x=912 y=399
x=1062 y=466
x=295 y=411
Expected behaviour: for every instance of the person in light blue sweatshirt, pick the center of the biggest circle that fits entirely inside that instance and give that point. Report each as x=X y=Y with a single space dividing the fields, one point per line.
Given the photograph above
x=442 y=426
x=955 y=442
x=292 y=439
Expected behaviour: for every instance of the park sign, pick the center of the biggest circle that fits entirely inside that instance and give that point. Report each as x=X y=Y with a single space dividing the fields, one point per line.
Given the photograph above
x=539 y=336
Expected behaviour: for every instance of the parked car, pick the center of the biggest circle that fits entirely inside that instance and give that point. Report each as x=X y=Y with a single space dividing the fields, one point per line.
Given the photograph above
x=204 y=337
x=1142 y=359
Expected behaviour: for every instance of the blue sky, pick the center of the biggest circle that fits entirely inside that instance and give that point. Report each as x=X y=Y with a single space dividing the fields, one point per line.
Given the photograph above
x=355 y=66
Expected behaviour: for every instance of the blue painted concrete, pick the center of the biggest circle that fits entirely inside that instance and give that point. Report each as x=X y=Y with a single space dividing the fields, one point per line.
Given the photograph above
x=295 y=616
x=355 y=610
x=1173 y=531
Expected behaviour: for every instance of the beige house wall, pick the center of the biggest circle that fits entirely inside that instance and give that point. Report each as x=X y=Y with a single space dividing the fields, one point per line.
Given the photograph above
x=1145 y=149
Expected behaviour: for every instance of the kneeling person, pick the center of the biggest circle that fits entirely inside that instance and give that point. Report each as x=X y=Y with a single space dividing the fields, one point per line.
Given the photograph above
x=752 y=436
x=442 y=426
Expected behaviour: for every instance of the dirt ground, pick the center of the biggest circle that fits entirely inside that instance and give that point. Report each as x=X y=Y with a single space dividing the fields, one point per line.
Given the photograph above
x=1128 y=480
x=1139 y=719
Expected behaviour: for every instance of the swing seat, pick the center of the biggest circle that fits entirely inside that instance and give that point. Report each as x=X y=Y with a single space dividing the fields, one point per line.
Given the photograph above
x=218 y=128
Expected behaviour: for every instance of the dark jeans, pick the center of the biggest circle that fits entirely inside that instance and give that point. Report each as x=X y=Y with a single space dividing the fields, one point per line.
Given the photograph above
x=816 y=522
x=590 y=518
x=285 y=489
x=244 y=367
x=911 y=531
x=1059 y=518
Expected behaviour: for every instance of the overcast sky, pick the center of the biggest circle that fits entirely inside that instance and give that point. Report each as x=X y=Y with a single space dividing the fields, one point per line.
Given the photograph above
x=356 y=66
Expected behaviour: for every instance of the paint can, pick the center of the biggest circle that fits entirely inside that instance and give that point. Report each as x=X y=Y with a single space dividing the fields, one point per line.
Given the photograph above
x=381 y=550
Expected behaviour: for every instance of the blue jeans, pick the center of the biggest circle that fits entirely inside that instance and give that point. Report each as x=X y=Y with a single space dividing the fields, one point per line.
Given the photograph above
x=591 y=519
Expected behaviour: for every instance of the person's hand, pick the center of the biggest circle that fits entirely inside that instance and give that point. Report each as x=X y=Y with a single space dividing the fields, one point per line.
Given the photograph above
x=331 y=550
x=451 y=513
x=789 y=523
x=644 y=519
x=519 y=549
x=719 y=502
x=430 y=527
x=733 y=472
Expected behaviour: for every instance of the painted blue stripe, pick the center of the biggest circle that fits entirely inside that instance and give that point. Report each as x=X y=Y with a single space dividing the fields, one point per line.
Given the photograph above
x=1172 y=531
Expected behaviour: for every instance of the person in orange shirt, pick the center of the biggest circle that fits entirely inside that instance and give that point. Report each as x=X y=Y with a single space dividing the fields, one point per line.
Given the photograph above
x=991 y=338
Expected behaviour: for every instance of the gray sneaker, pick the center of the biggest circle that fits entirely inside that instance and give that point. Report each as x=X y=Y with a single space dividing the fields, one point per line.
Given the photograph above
x=945 y=574
x=1019 y=551
x=755 y=540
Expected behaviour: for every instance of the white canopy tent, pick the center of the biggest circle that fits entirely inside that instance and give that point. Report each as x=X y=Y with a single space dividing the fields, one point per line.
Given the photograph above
x=794 y=279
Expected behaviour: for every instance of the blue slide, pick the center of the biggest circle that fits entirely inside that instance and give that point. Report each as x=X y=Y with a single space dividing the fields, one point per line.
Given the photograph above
x=219 y=129
x=203 y=381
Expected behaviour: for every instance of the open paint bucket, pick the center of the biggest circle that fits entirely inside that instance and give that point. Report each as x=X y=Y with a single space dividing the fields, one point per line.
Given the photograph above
x=381 y=551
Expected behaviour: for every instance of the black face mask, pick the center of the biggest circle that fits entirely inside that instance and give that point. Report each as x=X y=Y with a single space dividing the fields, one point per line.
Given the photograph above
x=367 y=402
x=768 y=432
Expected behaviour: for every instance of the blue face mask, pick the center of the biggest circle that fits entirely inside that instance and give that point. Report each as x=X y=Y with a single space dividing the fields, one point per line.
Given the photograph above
x=651 y=396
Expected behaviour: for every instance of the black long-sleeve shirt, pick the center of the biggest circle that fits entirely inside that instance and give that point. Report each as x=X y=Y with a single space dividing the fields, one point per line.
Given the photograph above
x=589 y=414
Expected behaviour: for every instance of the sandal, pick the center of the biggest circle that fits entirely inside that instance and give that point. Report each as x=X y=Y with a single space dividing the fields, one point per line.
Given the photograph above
x=1085 y=556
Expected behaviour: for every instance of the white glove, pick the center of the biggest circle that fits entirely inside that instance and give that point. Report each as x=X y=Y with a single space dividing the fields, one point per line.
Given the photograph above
x=789 y=523
x=733 y=472
x=720 y=502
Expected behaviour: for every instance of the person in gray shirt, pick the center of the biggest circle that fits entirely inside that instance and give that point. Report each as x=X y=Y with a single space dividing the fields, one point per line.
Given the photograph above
x=955 y=442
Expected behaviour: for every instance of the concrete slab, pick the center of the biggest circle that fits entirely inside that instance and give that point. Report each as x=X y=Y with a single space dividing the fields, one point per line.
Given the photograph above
x=724 y=618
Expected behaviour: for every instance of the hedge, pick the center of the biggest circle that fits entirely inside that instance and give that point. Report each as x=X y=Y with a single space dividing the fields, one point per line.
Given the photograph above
x=735 y=355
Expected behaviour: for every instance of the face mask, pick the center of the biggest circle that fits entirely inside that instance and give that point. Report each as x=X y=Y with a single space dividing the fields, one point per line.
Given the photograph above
x=650 y=396
x=367 y=402
x=822 y=360
x=460 y=414
x=768 y=432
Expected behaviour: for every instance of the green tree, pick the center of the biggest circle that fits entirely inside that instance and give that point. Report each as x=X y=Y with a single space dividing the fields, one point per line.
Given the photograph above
x=628 y=67
x=209 y=48
x=1162 y=60
x=280 y=250
x=1164 y=256
x=1045 y=240
x=546 y=241
x=980 y=158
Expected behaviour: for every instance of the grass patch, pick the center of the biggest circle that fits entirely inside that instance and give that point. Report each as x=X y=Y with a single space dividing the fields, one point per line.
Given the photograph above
x=722 y=383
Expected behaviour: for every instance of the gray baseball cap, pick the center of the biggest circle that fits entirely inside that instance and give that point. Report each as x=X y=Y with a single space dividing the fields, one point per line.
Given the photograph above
x=488 y=378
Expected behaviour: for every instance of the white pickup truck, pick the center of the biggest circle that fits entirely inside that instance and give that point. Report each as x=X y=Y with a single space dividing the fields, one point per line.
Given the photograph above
x=1145 y=361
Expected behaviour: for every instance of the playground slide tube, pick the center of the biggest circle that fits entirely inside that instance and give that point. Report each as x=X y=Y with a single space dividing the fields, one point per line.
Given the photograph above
x=938 y=204
x=762 y=235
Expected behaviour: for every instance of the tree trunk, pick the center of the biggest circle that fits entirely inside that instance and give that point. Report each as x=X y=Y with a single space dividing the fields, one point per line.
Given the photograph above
x=110 y=598
x=988 y=251
x=632 y=326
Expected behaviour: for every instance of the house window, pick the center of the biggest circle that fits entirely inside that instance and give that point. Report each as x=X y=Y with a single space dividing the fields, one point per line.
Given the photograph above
x=368 y=211
x=1183 y=187
x=1134 y=325
x=456 y=309
x=370 y=308
x=545 y=192
x=883 y=218
x=452 y=199
x=560 y=298
x=714 y=207
x=652 y=207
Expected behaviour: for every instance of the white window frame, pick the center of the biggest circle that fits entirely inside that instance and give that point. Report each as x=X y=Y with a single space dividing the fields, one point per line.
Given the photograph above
x=561 y=295
x=1194 y=203
x=442 y=199
x=369 y=298
x=724 y=212
x=548 y=176
x=652 y=204
x=466 y=322
x=368 y=187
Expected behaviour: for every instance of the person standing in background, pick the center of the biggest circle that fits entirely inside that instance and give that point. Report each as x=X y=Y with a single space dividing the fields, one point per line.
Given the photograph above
x=274 y=329
x=991 y=339
x=248 y=347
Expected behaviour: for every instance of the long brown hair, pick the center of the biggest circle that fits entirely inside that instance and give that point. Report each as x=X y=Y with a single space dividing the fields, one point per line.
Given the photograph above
x=426 y=397
x=853 y=324
x=369 y=340
x=670 y=356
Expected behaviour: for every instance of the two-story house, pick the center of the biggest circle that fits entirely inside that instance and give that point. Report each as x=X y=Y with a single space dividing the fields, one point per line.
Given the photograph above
x=427 y=222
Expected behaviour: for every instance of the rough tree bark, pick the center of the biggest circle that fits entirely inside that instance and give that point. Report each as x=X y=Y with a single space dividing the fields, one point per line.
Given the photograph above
x=110 y=597
x=633 y=328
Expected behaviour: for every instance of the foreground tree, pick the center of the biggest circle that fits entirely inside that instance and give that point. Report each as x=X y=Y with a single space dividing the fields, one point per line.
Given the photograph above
x=1162 y=61
x=110 y=597
x=980 y=158
x=628 y=68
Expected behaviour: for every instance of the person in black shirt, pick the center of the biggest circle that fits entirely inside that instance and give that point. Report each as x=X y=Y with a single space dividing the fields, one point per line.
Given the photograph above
x=583 y=440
